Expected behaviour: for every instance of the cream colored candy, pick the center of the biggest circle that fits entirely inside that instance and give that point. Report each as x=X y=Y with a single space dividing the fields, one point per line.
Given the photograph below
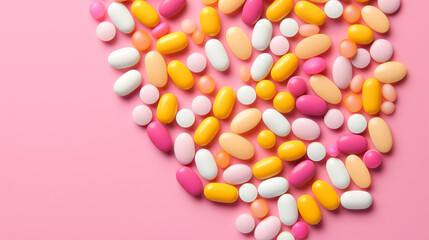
x=307 y=30
x=156 y=69
x=358 y=171
x=239 y=43
x=375 y=19
x=229 y=6
x=246 y=120
x=312 y=46
x=236 y=145
x=326 y=89
x=380 y=135
x=390 y=72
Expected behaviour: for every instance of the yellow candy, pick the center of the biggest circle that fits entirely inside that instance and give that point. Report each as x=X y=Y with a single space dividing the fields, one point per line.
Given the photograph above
x=278 y=10
x=310 y=13
x=266 y=89
x=326 y=195
x=309 y=210
x=172 y=43
x=371 y=96
x=145 y=13
x=167 y=108
x=267 y=168
x=284 y=67
x=284 y=102
x=206 y=131
x=229 y=6
x=221 y=192
x=360 y=34
x=224 y=102
x=210 y=21
x=292 y=150
x=266 y=139
x=180 y=75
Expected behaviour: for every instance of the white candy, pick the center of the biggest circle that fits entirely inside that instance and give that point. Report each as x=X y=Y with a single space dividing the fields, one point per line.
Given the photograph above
x=149 y=94
x=289 y=27
x=206 y=164
x=121 y=17
x=105 y=31
x=124 y=58
x=196 y=62
x=362 y=58
x=356 y=200
x=288 y=210
x=334 y=9
x=142 y=115
x=246 y=95
x=184 y=148
x=305 y=129
x=276 y=122
x=268 y=228
x=316 y=151
x=201 y=105
x=357 y=123
x=279 y=45
x=337 y=173
x=127 y=83
x=217 y=55
x=248 y=192
x=273 y=187
x=185 y=118
x=262 y=33
x=285 y=236
x=261 y=67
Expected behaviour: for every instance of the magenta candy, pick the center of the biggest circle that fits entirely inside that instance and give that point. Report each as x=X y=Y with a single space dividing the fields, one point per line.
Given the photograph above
x=252 y=11
x=297 y=86
x=169 y=8
x=300 y=230
x=189 y=180
x=97 y=10
x=332 y=151
x=159 y=136
x=311 y=105
x=372 y=158
x=314 y=65
x=352 y=143
x=160 y=30
x=302 y=173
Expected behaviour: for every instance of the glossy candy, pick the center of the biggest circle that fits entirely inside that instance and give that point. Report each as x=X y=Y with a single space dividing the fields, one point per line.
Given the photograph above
x=188 y=26
x=337 y=173
x=311 y=105
x=206 y=131
x=97 y=10
x=380 y=134
x=210 y=21
x=273 y=187
x=245 y=120
x=127 y=83
x=325 y=195
x=356 y=200
x=217 y=55
x=189 y=180
x=297 y=86
x=222 y=159
x=167 y=108
x=265 y=90
x=314 y=65
x=245 y=223
x=353 y=102
x=145 y=13
x=259 y=208
x=342 y=72
x=333 y=9
x=375 y=19
x=121 y=17
x=313 y=46
x=239 y=43
x=246 y=95
x=261 y=35
x=309 y=210
x=306 y=129
x=276 y=122
x=159 y=136
x=169 y=8
x=372 y=158
x=347 y=48
x=284 y=102
x=261 y=66
x=268 y=228
x=141 y=40
x=325 y=88
x=142 y=115
x=251 y=12
x=307 y=30
x=236 y=145
x=237 y=174
x=279 y=9
x=300 y=230
x=291 y=150
x=172 y=43
x=357 y=83
x=302 y=173
x=310 y=13
x=381 y=50
x=244 y=73
x=351 y=13
x=156 y=69
x=206 y=164
x=221 y=193
x=387 y=108
x=160 y=30
x=360 y=34
x=224 y=102
x=206 y=84
x=352 y=143
x=388 y=92
x=196 y=62
x=124 y=58
x=266 y=139
x=284 y=67
x=268 y=167
x=180 y=74
x=390 y=72
x=229 y=6
x=358 y=171
x=334 y=119
x=184 y=148
x=371 y=96
x=288 y=210
x=198 y=36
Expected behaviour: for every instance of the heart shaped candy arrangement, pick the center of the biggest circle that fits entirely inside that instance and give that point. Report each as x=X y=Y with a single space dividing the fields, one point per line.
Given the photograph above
x=275 y=120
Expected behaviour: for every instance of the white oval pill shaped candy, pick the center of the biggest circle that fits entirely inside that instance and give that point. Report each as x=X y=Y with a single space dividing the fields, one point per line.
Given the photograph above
x=273 y=187
x=121 y=17
x=142 y=115
x=206 y=164
x=288 y=210
x=342 y=72
x=268 y=228
x=248 y=192
x=217 y=55
x=276 y=122
x=305 y=129
x=246 y=95
x=124 y=58
x=237 y=174
x=356 y=200
x=334 y=9
x=316 y=151
x=127 y=83
x=261 y=66
x=337 y=173
x=149 y=94
x=357 y=123
x=184 y=148
x=289 y=27
x=285 y=236
x=185 y=118
x=262 y=33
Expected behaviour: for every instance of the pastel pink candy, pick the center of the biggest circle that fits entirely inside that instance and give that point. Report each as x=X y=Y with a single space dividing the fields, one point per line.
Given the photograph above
x=381 y=50
x=297 y=86
x=302 y=173
x=237 y=174
x=97 y=10
x=160 y=30
x=189 y=180
x=314 y=65
x=333 y=151
x=251 y=12
x=169 y=8
x=300 y=230
x=342 y=72
x=372 y=158
x=245 y=223
x=268 y=228
x=159 y=136
x=352 y=143
x=305 y=129
x=311 y=105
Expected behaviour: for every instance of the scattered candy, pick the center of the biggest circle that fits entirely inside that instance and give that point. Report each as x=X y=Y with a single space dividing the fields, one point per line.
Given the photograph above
x=142 y=115
x=97 y=10
x=196 y=62
x=259 y=208
x=248 y=192
x=245 y=223
x=246 y=95
x=185 y=118
x=206 y=84
x=105 y=31
x=201 y=105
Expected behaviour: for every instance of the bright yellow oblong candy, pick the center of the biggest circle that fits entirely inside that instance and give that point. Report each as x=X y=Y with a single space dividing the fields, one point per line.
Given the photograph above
x=167 y=108
x=310 y=13
x=172 y=43
x=224 y=102
x=309 y=210
x=284 y=102
x=206 y=131
x=145 y=13
x=326 y=195
x=180 y=74
x=291 y=150
x=284 y=67
x=278 y=10
x=371 y=96
x=360 y=34
x=267 y=168
x=210 y=21
x=221 y=192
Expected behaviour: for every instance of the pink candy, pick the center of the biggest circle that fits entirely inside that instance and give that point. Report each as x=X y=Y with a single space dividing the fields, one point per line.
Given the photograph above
x=300 y=230
x=160 y=30
x=311 y=105
x=252 y=11
x=372 y=158
x=189 y=180
x=97 y=10
x=297 y=86
x=159 y=136
x=169 y=8
x=314 y=65
x=352 y=143
x=302 y=173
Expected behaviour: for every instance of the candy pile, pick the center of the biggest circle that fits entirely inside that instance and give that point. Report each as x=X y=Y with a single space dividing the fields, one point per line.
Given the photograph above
x=361 y=152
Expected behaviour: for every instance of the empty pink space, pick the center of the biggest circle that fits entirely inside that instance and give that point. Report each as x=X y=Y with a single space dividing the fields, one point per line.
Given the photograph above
x=74 y=165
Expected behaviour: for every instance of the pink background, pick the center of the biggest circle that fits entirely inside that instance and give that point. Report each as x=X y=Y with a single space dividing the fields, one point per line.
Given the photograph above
x=73 y=165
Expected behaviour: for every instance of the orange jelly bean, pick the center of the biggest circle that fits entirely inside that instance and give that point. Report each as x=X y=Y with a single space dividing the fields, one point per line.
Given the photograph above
x=353 y=102
x=387 y=108
x=222 y=159
x=206 y=84
x=347 y=48
x=198 y=36
x=351 y=13
x=244 y=73
x=141 y=40
x=259 y=208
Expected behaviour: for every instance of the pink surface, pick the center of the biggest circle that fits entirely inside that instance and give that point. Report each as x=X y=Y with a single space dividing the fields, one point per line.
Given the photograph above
x=74 y=165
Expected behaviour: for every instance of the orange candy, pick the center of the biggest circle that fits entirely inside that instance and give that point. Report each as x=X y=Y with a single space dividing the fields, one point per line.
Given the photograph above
x=351 y=13
x=259 y=208
x=308 y=30
x=387 y=108
x=141 y=40
x=244 y=73
x=206 y=84
x=357 y=83
x=222 y=159
x=347 y=48
x=353 y=102
x=198 y=36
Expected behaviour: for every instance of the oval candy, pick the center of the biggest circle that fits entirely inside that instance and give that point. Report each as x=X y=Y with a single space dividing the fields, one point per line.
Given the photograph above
x=245 y=120
x=261 y=66
x=288 y=210
x=127 y=83
x=291 y=150
x=124 y=58
x=184 y=148
x=236 y=145
x=356 y=200
x=371 y=96
x=167 y=108
x=313 y=46
x=278 y=10
x=145 y=13
x=239 y=43
x=121 y=17
x=360 y=34
x=342 y=72
x=390 y=72
x=180 y=74
x=358 y=171
x=169 y=8
x=261 y=35
x=159 y=136
x=326 y=195
x=302 y=173
x=352 y=143
x=229 y=6
x=326 y=89
x=210 y=21
x=273 y=187
x=276 y=122
x=224 y=102
x=267 y=168
x=251 y=12
x=311 y=105
x=310 y=13
x=189 y=180
x=206 y=164
x=309 y=210
x=217 y=55
x=237 y=174
x=306 y=129
x=268 y=228
x=221 y=193
x=206 y=131
x=284 y=67
x=380 y=134
x=156 y=69
x=375 y=19
x=337 y=173
x=172 y=43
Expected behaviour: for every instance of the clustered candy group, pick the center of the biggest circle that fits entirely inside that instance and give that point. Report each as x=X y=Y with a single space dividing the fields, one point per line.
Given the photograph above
x=367 y=94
